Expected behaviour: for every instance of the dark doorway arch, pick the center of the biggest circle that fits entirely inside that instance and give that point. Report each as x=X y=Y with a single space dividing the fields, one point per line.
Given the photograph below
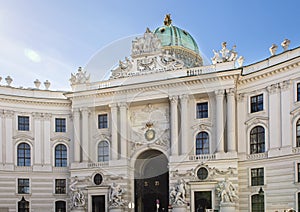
x=151 y=182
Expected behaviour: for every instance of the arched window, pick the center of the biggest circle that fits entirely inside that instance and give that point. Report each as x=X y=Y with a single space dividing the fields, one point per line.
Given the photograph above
x=103 y=151
x=60 y=206
x=202 y=143
x=258 y=203
x=23 y=205
x=23 y=152
x=61 y=155
x=257 y=140
x=298 y=133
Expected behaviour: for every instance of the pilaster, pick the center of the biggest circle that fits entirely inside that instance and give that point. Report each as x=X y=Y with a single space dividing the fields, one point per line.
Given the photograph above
x=8 y=148
x=184 y=124
x=85 y=134
x=123 y=129
x=174 y=125
x=114 y=131
x=274 y=116
x=285 y=104
x=219 y=120
x=77 y=134
x=231 y=120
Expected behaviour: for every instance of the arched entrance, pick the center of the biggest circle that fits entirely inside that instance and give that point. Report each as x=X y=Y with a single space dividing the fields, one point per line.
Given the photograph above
x=151 y=182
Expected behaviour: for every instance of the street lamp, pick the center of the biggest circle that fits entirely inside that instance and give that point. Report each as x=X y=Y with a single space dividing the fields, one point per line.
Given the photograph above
x=261 y=192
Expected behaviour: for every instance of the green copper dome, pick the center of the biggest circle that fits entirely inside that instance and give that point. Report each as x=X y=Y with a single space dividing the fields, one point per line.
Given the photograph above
x=174 y=36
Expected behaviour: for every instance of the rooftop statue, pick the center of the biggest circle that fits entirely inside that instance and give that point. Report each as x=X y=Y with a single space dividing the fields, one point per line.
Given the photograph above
x=224 y=55
x=168 y=20
x=285 y=44
x=80 y=77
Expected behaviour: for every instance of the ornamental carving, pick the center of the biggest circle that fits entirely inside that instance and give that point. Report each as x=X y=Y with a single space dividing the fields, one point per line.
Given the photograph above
x=149 y=43
x=227 y=191
x=77 y=196
x=177 y=193
x=81 y=77
x=224 y=55
x=116 y=195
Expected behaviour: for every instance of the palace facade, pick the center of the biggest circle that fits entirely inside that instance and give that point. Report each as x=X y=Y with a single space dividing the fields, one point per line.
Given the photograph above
x=163 y=133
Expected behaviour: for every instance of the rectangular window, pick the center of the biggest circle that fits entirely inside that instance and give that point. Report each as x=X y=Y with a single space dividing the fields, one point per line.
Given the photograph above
x=298 y=92
x=202 y=110
x=257 y=177
x=102 y=121
x=23 y=123
x=23 y=186
x=257 y=103
x=60 y=186
x=60 y=125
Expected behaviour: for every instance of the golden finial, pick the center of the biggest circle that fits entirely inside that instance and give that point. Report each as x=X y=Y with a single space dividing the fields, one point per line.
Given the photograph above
x=168 y=20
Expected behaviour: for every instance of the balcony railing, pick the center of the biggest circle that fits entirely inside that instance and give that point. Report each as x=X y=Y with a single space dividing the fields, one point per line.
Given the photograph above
x=97 y=164
x=202 y=157
x=257 y=156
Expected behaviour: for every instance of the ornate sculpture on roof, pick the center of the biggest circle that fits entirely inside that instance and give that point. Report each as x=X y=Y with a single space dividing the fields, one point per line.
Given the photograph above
x=80 y=77
x=224 y=55
x=168 y=20
x=149 y=43
x=285 y=44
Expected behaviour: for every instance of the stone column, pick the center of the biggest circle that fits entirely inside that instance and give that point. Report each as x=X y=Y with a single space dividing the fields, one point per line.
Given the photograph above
x=274 y=117
x=114 y=131
x=286 y=139
x=77 y=134
x=8 y=126
x=85 y=134
x=123 y=129
x=219 y=120
x=184 y=124
x=174 y=125
x=231 y=141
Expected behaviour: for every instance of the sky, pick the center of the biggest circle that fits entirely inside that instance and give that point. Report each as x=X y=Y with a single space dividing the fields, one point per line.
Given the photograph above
x=50 y=39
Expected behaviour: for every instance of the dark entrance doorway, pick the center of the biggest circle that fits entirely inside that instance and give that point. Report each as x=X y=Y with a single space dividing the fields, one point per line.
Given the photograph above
x=98 y=203
x=151 y=184
x=202 y=201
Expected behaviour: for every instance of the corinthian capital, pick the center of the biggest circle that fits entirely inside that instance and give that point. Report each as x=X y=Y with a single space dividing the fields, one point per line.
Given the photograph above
x=173 y=99
x=219 y=92
x=230 y=91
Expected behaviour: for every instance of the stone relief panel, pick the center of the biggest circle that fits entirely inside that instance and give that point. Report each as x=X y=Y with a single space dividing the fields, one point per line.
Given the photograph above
x=149 y=126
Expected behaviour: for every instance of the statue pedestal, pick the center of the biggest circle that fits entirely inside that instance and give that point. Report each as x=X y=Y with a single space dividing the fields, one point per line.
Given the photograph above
x=227 y=207
x=115 y=209
x=179 y=208
x=78 y=209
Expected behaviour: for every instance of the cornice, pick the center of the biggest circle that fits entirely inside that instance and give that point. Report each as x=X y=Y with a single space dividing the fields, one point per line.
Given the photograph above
x=31 y=101
x=258 y=75
x=149 y=86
